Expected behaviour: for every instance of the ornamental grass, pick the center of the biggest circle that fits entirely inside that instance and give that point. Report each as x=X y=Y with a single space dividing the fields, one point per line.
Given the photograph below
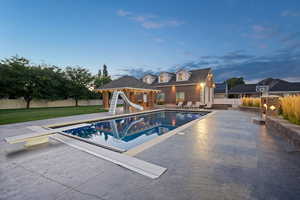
x=290 y=107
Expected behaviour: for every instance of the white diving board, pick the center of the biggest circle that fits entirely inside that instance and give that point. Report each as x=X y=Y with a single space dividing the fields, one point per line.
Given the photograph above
x=142 y=167
x=40 y=134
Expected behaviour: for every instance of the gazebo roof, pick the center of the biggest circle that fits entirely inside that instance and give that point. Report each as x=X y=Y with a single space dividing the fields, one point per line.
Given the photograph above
x=126 y=82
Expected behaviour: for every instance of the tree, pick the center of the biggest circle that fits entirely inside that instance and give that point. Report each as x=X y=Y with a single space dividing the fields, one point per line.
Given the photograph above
x=99 y=82
x=105 y=72
x=99 y=73
x=79 y=79
x=234 y=81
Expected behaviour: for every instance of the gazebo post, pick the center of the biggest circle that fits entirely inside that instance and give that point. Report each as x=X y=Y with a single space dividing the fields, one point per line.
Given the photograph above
x=106 y=100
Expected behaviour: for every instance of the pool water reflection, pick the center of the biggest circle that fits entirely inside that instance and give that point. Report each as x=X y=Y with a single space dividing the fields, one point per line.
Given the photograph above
x=128 y=132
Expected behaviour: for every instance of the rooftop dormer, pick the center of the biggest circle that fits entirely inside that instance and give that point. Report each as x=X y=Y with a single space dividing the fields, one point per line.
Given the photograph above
x=149 y=79
x=182 y=75
x=164 y=77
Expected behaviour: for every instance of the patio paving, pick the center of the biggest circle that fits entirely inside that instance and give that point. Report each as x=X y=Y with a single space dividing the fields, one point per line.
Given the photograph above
x=224 y=156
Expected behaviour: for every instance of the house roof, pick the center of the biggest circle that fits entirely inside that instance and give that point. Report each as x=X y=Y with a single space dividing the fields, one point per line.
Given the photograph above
x=275 y=85
x=197 y=76
x=286 y=86
x=220 y=88
x=126 y=82
x=243 y=88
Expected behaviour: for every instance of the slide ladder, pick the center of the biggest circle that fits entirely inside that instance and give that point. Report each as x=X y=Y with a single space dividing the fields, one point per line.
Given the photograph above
x=114 y=102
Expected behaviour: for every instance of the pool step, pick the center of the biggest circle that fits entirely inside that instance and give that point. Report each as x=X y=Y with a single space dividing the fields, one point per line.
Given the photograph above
x=142 y=167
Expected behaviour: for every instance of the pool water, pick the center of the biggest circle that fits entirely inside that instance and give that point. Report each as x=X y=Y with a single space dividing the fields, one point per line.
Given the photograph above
x=128 y=132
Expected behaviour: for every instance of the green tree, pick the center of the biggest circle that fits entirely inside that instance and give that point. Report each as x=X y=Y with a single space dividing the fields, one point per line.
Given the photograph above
x=99 y=82
x=99 y=73
x=79 y=80
x=105 y=72
x=234 y=81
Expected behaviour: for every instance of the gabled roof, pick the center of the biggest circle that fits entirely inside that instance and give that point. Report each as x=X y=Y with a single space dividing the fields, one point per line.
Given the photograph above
x=275 y=85
x=127 y=82
x=286 y=86
x=197 y=76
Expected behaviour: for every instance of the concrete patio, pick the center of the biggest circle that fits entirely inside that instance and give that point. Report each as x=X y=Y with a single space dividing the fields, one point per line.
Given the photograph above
x=223 y=156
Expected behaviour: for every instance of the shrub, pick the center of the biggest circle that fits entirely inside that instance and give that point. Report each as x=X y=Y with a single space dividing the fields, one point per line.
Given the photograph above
x=251 y=102
x=290 y=107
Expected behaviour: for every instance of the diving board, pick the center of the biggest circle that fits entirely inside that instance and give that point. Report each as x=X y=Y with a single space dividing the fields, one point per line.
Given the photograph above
x=142 y=167
x=40 y=134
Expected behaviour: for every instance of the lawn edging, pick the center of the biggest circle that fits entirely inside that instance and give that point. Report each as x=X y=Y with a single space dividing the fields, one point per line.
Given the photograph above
x=285 y=128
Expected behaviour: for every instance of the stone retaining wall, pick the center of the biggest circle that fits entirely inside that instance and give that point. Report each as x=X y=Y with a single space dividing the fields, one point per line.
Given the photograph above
x=249 y=109
x=288 y=130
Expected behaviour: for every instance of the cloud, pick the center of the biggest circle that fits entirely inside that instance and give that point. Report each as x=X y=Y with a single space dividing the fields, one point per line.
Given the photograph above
x=283 y=63
x=123 y=13
x=159 y=40
x=262 y=32
x=291 y=37
x=263 y=46
x=149 y=21
x=289 y=13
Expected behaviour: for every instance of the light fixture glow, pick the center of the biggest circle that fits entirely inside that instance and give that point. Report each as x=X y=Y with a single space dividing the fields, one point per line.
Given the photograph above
x=272 y=107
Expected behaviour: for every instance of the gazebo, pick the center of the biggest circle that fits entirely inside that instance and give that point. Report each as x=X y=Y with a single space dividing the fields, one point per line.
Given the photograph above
x=135 y=90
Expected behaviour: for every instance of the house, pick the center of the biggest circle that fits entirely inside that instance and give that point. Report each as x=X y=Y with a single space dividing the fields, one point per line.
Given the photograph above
x=276 y=87
x=221 y=91
x=183 y=86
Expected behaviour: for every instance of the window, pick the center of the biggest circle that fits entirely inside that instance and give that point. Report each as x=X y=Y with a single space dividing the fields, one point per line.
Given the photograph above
x=180 y=77
x=162 y=78
x=179 y=96
x=161 y=97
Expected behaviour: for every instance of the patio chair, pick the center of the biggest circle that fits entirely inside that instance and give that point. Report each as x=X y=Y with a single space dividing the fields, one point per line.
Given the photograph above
x=188 y=104
x=180 y=104
x=197 y=104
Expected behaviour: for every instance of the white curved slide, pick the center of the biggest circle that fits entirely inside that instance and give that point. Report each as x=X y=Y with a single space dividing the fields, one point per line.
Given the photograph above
x=114 y=102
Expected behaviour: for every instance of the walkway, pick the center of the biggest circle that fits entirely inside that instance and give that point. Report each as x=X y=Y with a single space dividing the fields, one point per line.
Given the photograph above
x=224 y=156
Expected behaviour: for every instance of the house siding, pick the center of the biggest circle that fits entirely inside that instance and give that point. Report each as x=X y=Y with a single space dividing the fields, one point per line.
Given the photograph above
x=191 y=93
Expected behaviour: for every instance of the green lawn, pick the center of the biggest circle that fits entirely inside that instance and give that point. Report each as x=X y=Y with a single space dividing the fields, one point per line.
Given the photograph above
x=8 y=116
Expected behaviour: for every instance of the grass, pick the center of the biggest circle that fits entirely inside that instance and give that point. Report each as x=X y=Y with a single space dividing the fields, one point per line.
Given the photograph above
x=251 y=102
x=9 y=116
x=290 y=108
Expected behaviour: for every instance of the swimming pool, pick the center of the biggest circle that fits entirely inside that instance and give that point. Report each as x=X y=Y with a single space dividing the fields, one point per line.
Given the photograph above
x=128 y=132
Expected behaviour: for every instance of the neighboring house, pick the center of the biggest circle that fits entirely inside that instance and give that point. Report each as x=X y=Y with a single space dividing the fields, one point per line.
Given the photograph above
x=221 y=91
x=183 y=86
x=276 y=87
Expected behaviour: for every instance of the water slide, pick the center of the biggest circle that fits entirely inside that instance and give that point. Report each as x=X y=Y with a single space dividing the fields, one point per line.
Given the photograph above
x=114 y=102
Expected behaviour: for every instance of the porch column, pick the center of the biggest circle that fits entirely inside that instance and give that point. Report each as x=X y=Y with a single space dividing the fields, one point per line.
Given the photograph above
x=105 y=98
x=151 y=99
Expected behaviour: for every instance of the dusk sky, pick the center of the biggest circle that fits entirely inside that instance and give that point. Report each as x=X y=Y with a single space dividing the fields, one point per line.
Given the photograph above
x=253 y=39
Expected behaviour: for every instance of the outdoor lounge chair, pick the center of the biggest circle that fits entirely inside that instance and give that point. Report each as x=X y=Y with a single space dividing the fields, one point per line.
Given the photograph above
x=197 y=104
x=188 y=104
x=180 y=104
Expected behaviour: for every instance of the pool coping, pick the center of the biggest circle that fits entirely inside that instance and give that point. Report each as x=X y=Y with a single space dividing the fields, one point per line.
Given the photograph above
x=134 y=151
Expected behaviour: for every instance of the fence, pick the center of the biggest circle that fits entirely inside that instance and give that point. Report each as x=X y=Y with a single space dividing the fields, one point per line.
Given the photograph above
x=20 y=103
x=225 y=101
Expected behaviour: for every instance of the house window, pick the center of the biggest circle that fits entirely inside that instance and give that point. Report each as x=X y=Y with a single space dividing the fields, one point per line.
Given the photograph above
x=180 y=77
x=162 y=78
x=161 y=97
x=179 y=96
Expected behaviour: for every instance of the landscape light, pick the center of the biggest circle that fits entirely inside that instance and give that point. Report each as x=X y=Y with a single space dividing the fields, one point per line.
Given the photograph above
x=272 y=107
